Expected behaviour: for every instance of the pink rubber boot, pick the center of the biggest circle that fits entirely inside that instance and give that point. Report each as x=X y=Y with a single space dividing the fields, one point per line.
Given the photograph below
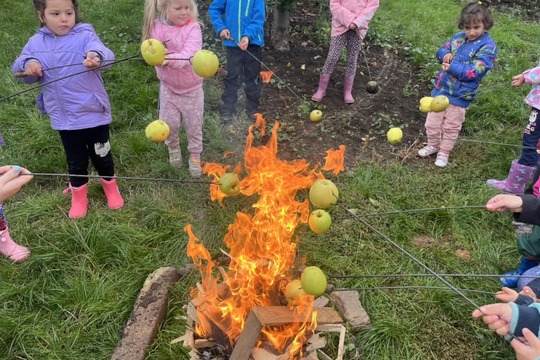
x=347 y=90
x=114 y=199
x=11 y=249
x=321 y=91
x=79 y=201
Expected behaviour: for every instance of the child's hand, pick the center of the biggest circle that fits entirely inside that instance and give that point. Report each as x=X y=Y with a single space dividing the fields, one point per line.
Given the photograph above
x=496 y=316
x=33 y=69
x=225 y=34
x=165 y=62
x=529 y=349
x=92 y=60
x=445 y=66
x=353 y=26
x=448 y=58
x=10 y=181
x=504 y=202
x=506 y=295
x=244 y=43
x=518 y=80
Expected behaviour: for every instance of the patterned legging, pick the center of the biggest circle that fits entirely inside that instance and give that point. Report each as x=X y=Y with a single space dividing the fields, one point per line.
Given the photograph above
x=353 y=41
x=3 y=221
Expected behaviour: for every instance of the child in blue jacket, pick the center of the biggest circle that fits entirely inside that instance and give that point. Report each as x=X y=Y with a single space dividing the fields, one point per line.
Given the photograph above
x=465 y=60
x=241 y=26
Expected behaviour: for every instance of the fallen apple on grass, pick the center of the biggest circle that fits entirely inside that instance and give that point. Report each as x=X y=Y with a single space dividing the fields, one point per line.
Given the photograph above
x=372 y=87
x=425 y=104
x=157 y=131
x=229 y=183
x=319 y=221
x=394 y=135
x=439 y=103
x=323 y=193
x=315 y=116
x=294 y=292
x=205 y=63
x=313 y=281
x=153 y=52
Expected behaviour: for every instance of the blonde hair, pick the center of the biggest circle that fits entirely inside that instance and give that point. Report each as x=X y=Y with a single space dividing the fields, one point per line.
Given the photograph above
x=155 y=8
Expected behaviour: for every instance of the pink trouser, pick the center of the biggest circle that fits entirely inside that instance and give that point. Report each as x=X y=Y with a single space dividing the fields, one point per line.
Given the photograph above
x=184 y=110
x=443 y=128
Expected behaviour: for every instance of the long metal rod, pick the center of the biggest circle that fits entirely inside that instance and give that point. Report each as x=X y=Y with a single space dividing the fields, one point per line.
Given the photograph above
x=65 y=77
x=408 y=211
x=411 y=256
x=430 y=275
x=413 y=287
x=273 y=73
x=421 y=264
x=121 y=178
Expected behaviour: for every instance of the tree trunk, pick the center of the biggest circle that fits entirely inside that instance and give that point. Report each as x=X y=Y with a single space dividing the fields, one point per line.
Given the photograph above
x=280 y=29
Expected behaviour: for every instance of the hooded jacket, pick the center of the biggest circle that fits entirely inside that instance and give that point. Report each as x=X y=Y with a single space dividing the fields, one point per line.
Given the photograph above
x=241 y=17
x=472 y=61
x=182 y=42
x=532 y=76
x=345 y=12
x=77 y=102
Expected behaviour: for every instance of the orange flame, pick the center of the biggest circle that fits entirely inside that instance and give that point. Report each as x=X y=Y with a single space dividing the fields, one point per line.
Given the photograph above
x=335 y=160
x=266 y=76
x=262 y=243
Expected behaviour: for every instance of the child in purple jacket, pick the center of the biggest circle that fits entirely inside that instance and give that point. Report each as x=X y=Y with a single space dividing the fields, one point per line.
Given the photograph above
x=181 y=96
x=78 y=105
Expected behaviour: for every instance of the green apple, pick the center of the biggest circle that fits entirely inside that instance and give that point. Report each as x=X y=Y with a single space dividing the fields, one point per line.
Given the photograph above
x=425 y=104
x=157 y=131
x=229 y=183
x=315 y=116
x=372 y=87
x=394 y=135
x=205 y=63
x=294 y=292
x=313 y=281
x=323 y=193
x=153 y=52
x=319 y=221
x=439 y=103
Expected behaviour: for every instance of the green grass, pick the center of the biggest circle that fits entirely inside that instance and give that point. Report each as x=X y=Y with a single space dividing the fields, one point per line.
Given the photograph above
x=72 y=297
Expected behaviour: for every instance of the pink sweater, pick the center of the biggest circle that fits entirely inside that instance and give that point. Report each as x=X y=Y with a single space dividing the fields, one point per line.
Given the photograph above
x=532 y=76
x=345 y=12
x=181 y=42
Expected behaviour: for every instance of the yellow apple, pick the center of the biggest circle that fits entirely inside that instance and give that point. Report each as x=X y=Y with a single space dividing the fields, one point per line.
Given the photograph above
x=294 y=292
x=439 y=103
x=394 y=135
x=372 y=87
x=229 y=183
x=313 y=281
x=205 y=63
x=157 y=131
x=323 y=193
x=319 y=221
x=425 y=104
x=315 y=116
x=153 y=52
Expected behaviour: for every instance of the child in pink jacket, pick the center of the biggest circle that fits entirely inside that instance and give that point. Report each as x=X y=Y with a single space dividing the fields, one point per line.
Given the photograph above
x=181 y=96
x=350 y=19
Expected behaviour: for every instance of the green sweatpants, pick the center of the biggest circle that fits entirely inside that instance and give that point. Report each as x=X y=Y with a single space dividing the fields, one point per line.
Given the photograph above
x=529 y=243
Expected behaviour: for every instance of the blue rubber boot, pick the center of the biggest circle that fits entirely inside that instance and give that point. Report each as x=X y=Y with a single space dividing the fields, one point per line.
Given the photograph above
x=508 y=279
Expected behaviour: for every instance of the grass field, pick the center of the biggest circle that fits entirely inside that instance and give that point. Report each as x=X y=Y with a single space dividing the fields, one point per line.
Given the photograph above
x=72 y=297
